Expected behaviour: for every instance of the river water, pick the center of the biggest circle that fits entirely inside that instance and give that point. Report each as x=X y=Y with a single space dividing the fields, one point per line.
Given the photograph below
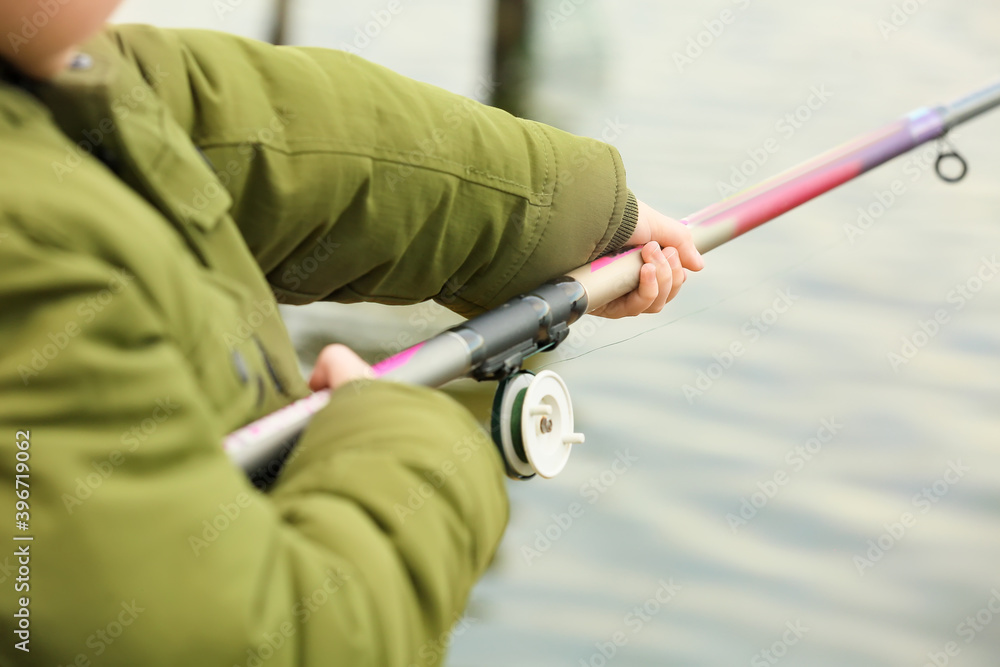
x=830 y=493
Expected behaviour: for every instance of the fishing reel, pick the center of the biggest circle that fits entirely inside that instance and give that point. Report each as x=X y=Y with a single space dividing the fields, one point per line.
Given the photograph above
x=532 y=424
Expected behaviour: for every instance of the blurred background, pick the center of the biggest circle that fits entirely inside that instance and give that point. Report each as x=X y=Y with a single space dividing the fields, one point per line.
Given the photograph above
x=814 y=500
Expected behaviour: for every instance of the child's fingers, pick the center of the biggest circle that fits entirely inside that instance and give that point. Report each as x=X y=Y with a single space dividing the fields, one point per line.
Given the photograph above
x=336 y=366
x=667 y=263
x=655 y=278
x=689 y=255
x=660 y=277
x=643 y=296
x=678 y=275
x=636 y=301
x=675 y=234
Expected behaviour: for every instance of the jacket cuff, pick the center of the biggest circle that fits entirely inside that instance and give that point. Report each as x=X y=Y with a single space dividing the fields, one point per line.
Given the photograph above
x=630 y=218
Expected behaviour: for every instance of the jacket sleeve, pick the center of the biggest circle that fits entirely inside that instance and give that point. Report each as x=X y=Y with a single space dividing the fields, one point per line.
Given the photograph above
x=151 y=549
x=352 y=183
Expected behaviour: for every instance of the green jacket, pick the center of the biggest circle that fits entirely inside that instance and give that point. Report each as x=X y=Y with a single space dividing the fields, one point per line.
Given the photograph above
x=155 y=201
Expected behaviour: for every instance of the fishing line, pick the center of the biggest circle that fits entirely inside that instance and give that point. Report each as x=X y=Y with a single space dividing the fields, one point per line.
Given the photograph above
x=494 y=345
x=822 y=251
x=947 y=153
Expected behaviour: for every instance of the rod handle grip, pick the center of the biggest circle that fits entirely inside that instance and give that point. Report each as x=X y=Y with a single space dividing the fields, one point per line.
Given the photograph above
x=608 y=278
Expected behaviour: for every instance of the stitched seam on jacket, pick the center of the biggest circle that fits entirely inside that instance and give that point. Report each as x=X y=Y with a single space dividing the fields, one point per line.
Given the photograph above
x=392 y=157
x=543 y=213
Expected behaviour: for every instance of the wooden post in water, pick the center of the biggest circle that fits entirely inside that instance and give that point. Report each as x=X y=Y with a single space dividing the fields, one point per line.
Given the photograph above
x=279 y=28
x=510 y=55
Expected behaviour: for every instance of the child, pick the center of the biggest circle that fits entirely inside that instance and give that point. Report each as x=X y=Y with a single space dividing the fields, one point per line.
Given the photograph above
x=160 y=191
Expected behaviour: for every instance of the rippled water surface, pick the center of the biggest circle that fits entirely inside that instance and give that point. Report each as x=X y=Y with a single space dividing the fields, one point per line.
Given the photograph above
x=812 y=496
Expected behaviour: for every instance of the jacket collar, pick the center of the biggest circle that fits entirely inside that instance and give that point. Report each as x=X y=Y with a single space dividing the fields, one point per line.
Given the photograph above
x=106 y=107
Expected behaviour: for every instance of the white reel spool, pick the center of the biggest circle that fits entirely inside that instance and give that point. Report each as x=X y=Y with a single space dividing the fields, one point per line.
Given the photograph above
x=533 y=424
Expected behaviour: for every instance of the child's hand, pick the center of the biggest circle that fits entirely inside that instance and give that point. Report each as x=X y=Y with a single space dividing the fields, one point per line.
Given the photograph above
x=662 y=273
x=336 y=366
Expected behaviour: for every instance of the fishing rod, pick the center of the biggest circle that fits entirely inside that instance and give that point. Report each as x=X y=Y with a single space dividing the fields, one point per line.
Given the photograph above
x=532 y=414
